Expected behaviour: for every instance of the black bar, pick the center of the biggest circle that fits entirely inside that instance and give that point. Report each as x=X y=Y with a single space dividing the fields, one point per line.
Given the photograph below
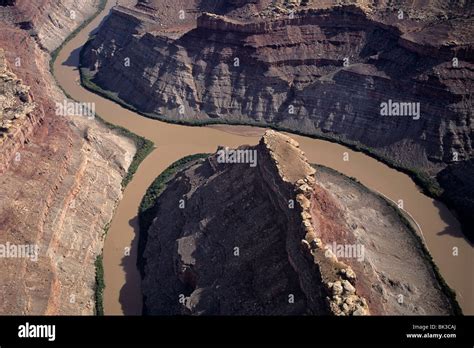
x=313 y=330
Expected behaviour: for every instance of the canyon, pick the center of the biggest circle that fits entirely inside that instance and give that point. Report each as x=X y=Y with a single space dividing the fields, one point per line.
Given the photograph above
x=60 y=176
x=48 y=22
x=319 y=68
x=436 y=224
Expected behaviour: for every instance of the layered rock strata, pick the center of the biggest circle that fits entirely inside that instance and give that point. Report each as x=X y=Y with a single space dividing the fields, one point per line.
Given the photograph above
x=60 y=180
x=17 y=119
x=49 y=22
x=324 y=69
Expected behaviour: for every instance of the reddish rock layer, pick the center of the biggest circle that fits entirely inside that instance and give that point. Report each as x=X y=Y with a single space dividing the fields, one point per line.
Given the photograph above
x=60 y=182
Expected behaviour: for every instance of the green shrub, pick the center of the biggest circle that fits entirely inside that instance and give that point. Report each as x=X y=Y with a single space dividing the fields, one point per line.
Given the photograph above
x=99 y=286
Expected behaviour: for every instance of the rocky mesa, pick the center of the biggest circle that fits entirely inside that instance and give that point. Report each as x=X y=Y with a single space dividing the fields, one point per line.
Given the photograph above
x=258 y=231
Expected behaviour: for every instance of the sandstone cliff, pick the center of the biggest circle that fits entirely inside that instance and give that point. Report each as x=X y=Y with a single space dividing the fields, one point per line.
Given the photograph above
x=60 y=178
x=239 y=239
x=18 y=117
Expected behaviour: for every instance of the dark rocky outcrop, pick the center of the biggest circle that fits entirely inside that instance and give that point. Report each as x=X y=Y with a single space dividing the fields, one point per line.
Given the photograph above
x=7 y=2
x=458 y=191
x=235 y=239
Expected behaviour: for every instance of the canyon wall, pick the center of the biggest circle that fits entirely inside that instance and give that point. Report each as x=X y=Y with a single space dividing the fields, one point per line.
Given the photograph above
x=49 y=22
x=236 y=237
x=322 y=71
x=60 y=178
x=19 y=114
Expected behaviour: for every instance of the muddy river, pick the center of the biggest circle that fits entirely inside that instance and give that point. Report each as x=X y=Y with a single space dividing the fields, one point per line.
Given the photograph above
x=440 y=228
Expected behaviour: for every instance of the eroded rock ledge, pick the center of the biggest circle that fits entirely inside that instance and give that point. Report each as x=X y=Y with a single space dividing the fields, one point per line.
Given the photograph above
x=233 y=239
x=338 y=278
x=17 y=119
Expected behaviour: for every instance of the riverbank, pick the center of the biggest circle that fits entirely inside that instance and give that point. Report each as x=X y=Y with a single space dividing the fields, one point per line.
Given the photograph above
x=143 y=148
x=148 y=207
x=55 y=53
x=428 y=184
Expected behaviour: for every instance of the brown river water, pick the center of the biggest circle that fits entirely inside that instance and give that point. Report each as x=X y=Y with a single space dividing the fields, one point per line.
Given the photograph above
x=122 y=295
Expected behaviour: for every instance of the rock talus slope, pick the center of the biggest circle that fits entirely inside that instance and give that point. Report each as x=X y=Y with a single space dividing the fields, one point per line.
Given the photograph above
x=238 y=239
